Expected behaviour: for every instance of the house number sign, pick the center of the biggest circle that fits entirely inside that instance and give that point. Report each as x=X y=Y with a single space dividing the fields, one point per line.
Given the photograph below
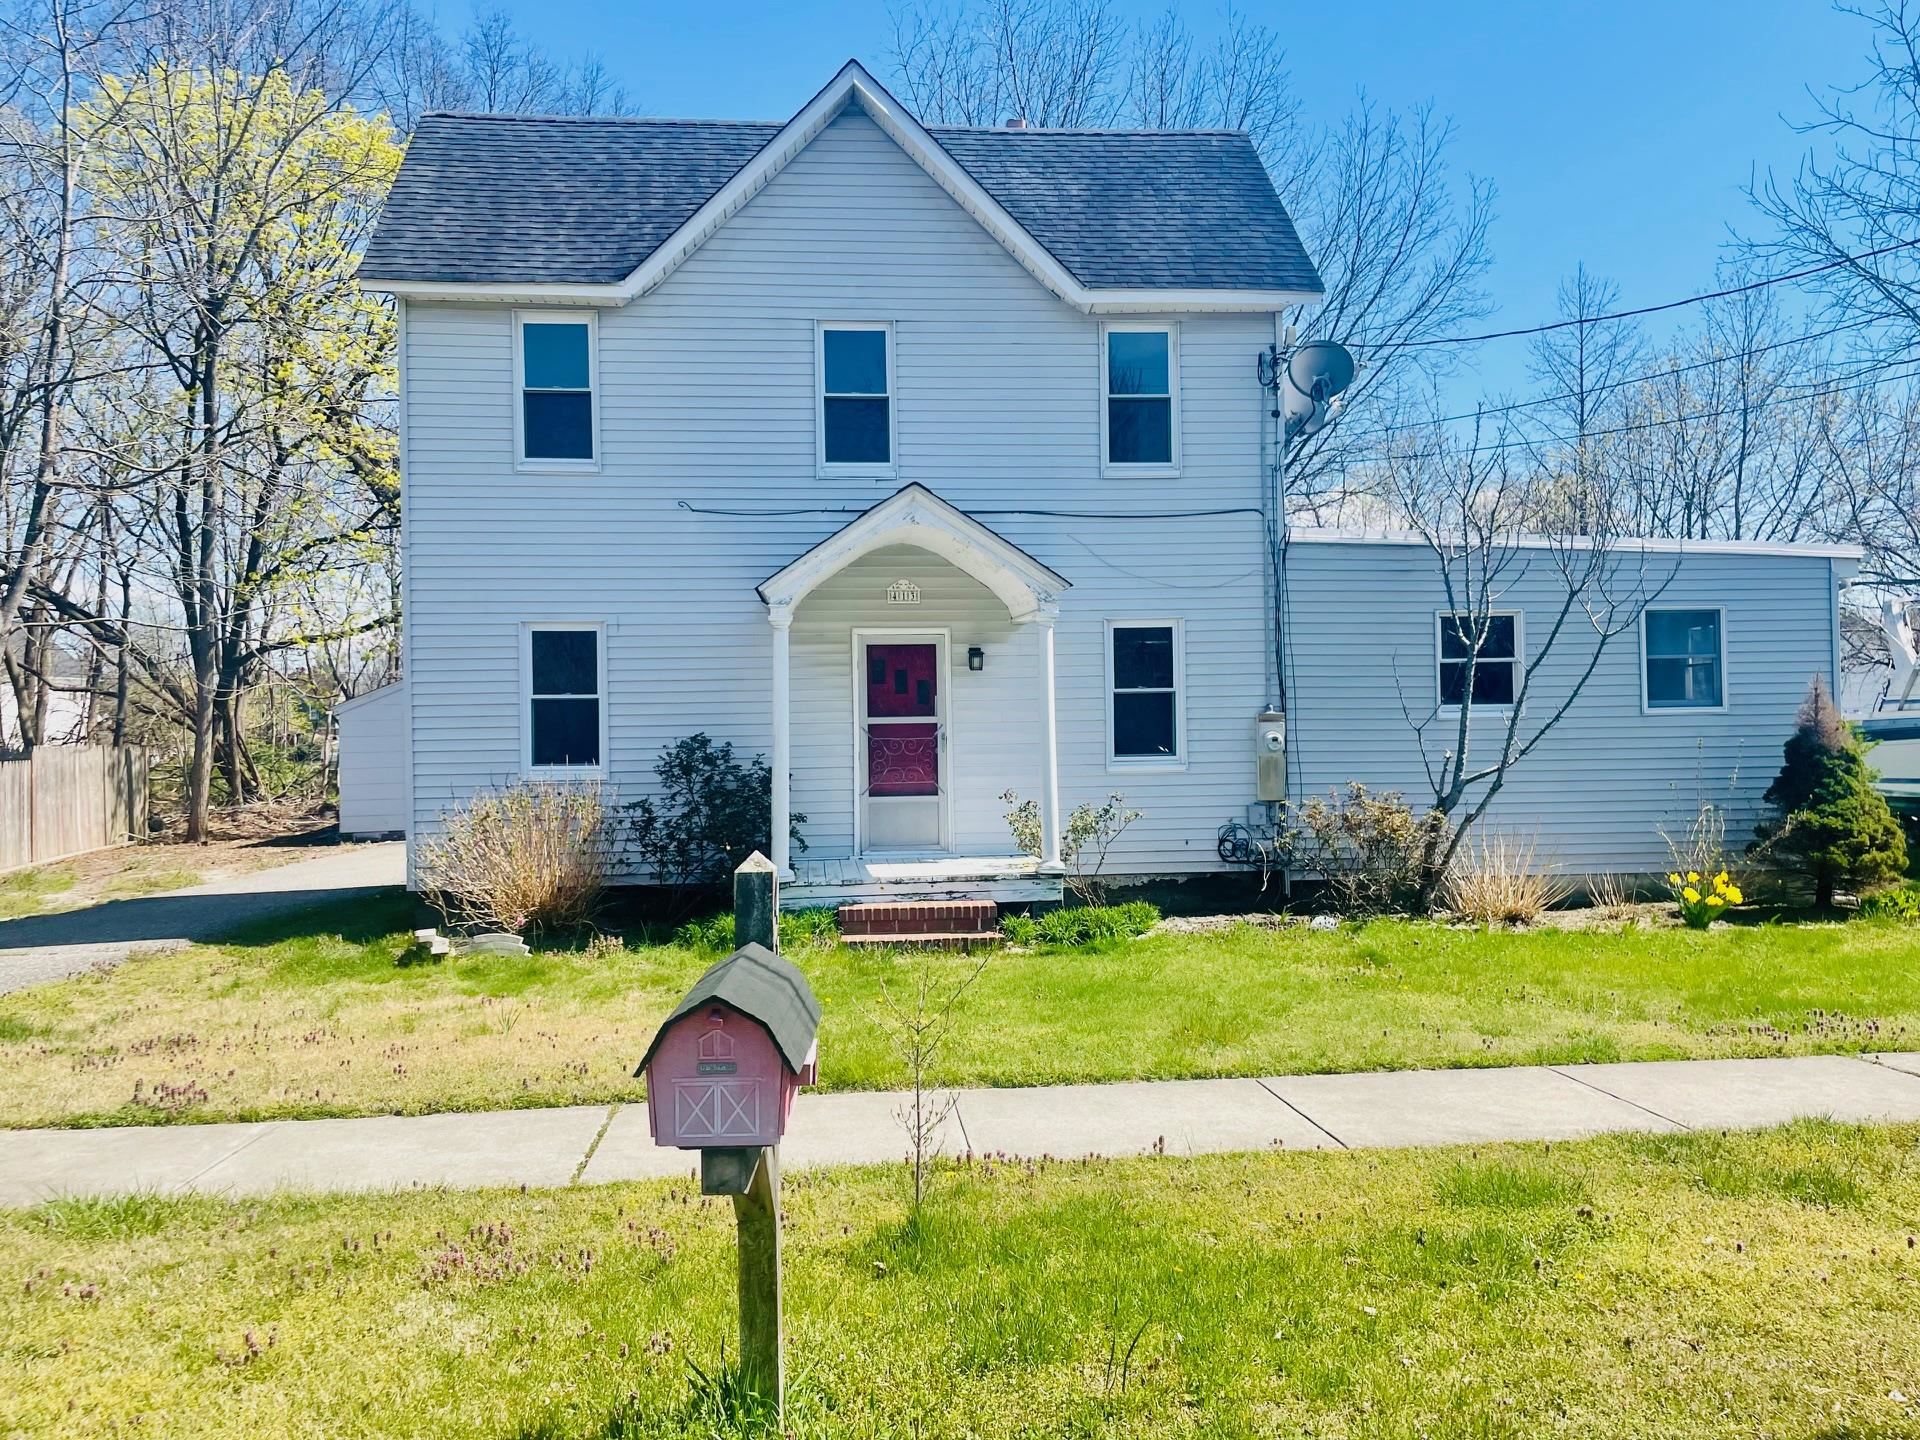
x=903 y=592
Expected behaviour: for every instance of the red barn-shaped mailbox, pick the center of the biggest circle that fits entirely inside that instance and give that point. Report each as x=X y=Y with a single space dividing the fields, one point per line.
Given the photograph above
x=722 y=1071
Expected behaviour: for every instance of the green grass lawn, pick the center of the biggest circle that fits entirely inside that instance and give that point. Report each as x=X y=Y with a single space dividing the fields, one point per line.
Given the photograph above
x=321 y=1020
x=1673 y=1286
x=28 y=892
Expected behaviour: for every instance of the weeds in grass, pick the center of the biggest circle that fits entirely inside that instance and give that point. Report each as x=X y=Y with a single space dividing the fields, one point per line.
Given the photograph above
x=1081 y=924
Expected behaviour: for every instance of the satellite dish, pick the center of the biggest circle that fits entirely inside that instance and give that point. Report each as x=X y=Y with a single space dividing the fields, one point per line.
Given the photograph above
x=1316 y=374
x=1321 y=369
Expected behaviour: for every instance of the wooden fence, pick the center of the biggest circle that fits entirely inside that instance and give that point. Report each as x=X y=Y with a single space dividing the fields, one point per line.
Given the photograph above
x=68 y=799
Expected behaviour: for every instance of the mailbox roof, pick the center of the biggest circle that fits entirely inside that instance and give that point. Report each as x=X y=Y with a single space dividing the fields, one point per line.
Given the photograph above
x=758 y=984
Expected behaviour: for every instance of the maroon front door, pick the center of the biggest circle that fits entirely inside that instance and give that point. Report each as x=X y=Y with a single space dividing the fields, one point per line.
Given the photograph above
x=902 y=720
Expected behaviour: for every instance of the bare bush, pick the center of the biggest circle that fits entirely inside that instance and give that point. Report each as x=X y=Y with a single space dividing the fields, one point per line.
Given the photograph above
x=531 y=856
x=1367 y=847
x=1495 y=880
x=1084 y=841
x=1611 y=893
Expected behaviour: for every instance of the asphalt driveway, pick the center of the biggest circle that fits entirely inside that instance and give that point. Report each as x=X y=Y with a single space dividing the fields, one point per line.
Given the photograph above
x=40 y=948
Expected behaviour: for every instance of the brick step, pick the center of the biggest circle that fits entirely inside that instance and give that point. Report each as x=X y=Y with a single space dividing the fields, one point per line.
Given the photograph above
x=896 y=920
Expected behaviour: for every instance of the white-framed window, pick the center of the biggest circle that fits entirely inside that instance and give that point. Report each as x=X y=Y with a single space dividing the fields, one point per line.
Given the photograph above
x=1140 y=399
x=556 y=420
x=1495 y=669
x=1146 y=682
x=563 y=672
x=1683 y=658
x=854 y=363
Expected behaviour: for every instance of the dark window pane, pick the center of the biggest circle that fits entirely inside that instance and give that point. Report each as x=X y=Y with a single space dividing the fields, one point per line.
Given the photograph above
x=1456 y=637
x=566 y=732
x=1136 y=363
x=1680 y=683
x=1142 y=657
x=1683 y=632
x=1143 y=724
x=856 y=432
x=565 y=662
x=555 y=356
x=1140 y=432
x=559 y=425
x=1493 y=682
x=856 y=362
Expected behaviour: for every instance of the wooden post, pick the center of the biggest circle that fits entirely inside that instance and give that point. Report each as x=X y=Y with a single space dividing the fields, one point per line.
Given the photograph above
x=756 y=903
x=752 y=1176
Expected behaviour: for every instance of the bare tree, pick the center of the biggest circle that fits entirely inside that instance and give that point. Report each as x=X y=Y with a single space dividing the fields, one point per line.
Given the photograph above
x=1506 y=532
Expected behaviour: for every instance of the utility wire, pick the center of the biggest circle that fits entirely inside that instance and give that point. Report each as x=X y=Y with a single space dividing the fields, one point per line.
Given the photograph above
x=1536 y=401
x=1731 y=290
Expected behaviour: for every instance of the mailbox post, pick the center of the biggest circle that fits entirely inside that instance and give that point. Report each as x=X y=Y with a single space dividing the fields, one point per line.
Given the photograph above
x=721 y=1076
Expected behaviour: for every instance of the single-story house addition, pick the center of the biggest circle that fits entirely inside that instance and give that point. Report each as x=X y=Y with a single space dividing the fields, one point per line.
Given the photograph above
x=931 y=464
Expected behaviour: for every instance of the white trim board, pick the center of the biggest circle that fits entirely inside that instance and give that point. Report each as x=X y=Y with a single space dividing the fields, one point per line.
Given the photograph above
x=853 y=87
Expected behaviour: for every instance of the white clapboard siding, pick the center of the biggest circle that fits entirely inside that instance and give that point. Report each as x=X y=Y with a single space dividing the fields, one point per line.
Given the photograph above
x=373 y=761
x=1609 y=778
x=707 y=397
x=707 y=401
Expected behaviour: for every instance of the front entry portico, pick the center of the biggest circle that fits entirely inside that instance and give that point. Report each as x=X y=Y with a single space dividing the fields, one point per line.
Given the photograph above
x=902 y=794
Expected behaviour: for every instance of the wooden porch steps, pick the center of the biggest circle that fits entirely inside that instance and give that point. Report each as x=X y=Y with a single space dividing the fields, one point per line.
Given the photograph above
x=952 y=924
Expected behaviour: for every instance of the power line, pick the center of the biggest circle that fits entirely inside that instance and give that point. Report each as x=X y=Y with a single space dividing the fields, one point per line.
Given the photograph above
x=1814 y=392
x=1660 y=374
x=1730 y=291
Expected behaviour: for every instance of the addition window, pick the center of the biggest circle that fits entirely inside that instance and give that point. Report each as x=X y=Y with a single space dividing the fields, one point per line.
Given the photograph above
x=1144 y=663
x=556 y=368
x=1685 y=659
x=1496 y=669
x=1141 y=368
x=856 y=396
x=565 y=686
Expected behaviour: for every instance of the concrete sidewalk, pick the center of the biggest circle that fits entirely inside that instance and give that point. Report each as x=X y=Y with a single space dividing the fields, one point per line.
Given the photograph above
x=40 y=948
x=591 y=1144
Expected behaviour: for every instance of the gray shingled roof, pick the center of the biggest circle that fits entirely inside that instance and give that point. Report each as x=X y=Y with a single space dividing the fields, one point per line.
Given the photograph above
x=766 y=988
x=579 y=200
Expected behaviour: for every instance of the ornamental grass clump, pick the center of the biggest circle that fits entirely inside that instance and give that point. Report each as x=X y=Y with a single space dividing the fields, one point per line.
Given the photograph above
x=1496 y=881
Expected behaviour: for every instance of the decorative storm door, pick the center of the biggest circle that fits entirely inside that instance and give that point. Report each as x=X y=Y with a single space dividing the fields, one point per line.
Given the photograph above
x=901 y=794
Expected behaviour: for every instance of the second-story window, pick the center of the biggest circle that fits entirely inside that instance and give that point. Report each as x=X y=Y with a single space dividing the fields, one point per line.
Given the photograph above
x=856 y=401
x=556 y=388
x=1141 y=376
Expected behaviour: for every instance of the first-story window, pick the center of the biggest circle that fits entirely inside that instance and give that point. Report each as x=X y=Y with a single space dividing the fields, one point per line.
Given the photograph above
x=1494 y=662
x=1144 y=664
x=564 y=668
x=1685 y=659
x=856 y=400
x=556 y=389
x=1140 y=369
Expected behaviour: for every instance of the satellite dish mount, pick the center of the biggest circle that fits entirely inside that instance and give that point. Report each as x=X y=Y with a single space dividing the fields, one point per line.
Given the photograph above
x=1307 y=384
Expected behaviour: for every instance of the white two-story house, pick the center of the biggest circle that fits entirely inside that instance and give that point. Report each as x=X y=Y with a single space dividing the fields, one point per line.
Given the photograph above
x=932 y=464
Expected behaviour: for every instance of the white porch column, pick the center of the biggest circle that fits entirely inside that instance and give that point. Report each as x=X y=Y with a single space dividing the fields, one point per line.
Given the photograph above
x=1049 y=748
x=780 y=616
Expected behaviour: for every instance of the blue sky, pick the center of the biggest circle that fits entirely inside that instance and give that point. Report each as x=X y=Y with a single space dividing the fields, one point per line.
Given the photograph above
x=1620 y=134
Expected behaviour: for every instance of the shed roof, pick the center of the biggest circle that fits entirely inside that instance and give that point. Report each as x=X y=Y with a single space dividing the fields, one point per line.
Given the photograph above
x=756 y=983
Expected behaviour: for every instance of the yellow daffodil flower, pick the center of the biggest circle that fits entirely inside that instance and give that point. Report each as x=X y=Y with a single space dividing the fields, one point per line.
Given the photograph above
x=1673 y=879
x=1690 y=895
x=1715 y=901
x=1734 y=897
x=1693 y=877
x=1722 y=878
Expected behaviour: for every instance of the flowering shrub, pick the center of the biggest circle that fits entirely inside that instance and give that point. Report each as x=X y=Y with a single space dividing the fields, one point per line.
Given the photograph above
x=1703 y=900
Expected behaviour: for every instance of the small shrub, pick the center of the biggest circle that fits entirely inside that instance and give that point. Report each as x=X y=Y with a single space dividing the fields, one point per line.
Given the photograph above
x=1081 y=924
x=531 y=856
x=1495 y=881
x=1088 y=834
x=1901 y=905
x=1367 y=847
x=713 y=810
x=816 y=927
x=1827 y=816
x=1610 y=893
